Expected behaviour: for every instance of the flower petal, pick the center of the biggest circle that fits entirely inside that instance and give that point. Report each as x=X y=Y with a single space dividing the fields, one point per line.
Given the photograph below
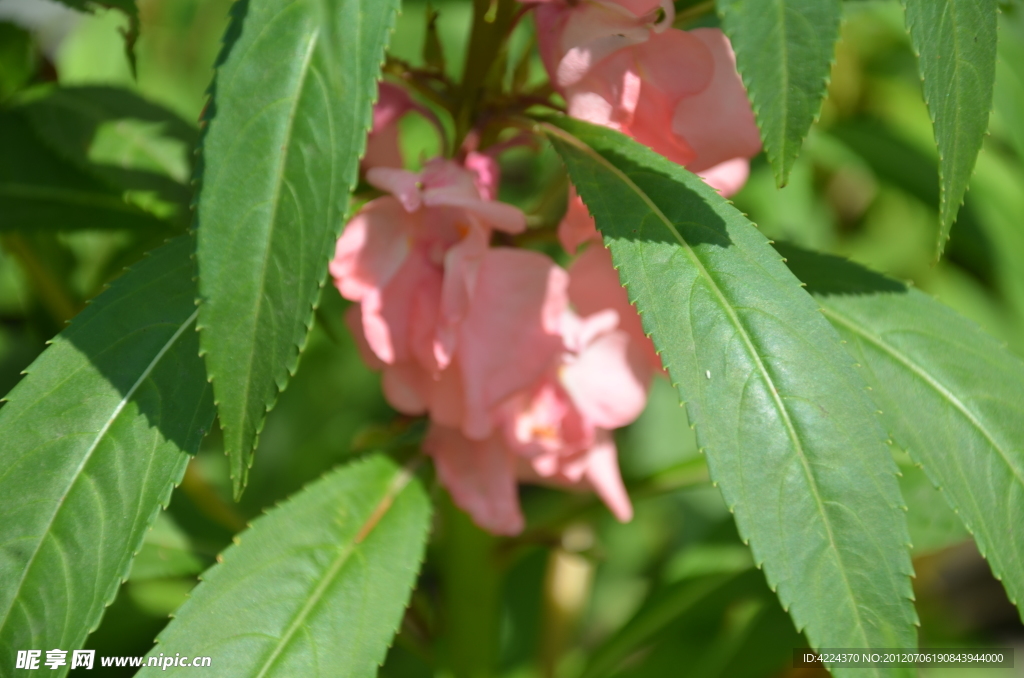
x=594 y=286
x=372 y=248
x=603 y=475
x=718 y=123
x=607 y=382
x=480 y=477
x=402 y=184
x=509 y=338
x=577 y=227
x=727 y=177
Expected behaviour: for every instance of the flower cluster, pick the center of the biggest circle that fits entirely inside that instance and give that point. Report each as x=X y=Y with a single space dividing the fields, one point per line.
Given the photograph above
x=525 y=368
x=620 y=63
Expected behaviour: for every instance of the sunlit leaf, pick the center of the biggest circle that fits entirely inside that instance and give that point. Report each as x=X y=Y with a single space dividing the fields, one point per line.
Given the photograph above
x=287 y=123
x=951 y=396
x=316 y=587
x=790 y=435
x=40 y=190
x=117 y=136
x=94 y=438
x=784 y=52
x=956 y=45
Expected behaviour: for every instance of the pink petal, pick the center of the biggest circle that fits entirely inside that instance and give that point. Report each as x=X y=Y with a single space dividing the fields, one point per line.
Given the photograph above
x=404 y=185
x=603 y=475
x=480 y=477
x=594 y=286
x=390 y=313
x=675 y=63
x=382 y=149
x=652 y=126
x=392 y=103
x=461 y=264
x=406 y=387
x=727 y=177
x=591 y=33
x=577 y=227
x=497 y=215
x=509 y=337
x=718 y=123
x=447 y=400
x=592 y=107
x=608 y=383
x=486 y=173
x=372 y=248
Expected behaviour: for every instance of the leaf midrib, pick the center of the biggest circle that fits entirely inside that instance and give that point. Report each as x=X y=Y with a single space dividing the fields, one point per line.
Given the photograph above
x=780 y=406
x=398 y=483
x=88 y=455
x=925 y=377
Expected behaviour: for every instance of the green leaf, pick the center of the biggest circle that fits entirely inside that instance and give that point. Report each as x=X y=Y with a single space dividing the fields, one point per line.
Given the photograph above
x=17 y=58
x=95 y=437
x=951 y=395
x=127 y=142
x=130 y=9
x=1009 y=89
x=166 y=552
x=288 y=121
x=332 y=569
x=784 y=52
x=40 y=190
x=932 y=523
x=955 y=41
x=665 y=607
x=790 y=435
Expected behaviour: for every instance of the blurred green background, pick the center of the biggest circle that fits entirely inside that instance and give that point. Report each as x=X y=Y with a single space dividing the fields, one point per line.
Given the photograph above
x=675 y=592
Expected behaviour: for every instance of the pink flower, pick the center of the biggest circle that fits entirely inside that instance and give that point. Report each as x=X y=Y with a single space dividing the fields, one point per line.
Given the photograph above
x=594 y=286
x=622 y=66
x=412 y=259
x=557 y=431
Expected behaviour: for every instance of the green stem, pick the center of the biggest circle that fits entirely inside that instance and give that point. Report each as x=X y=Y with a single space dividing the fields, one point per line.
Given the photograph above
x=471 y=584
x=491 y=22
x=56 y=298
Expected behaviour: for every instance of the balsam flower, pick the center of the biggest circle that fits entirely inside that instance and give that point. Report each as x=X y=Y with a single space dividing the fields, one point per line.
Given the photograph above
x=621 y=65
x=557 y=431
x=456 y=325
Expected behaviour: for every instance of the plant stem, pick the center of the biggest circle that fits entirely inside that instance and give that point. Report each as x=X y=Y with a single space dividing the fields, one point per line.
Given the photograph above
x=472 y=595
x=52 y=292
x=491 y=22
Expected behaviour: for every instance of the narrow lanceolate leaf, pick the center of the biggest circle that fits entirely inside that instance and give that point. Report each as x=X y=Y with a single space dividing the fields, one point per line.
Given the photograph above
x=287 y=123
x=315 y=588
x=40 y=190
x=790 y=435
x=955 y=41
x=94 y=438
x=951 y=395
x=784 y=52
